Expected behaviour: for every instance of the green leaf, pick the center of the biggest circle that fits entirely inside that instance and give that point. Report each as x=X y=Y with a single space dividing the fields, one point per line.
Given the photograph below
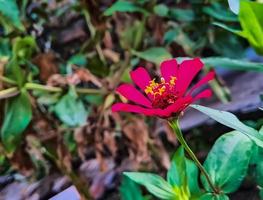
x=70 y=109
x=230 y=120
x=228 y=161
x=192 y=178
x=24 y=48
x=18 y=114
x=78 y=59
x=161 y=10
x=234 y=6
x=124 y=6
x=154 y=54
x=185 y=15
x=129 y=190
x=9 y=14
x=209 y=196
x=232 y=30
x=217 y=11
x=14 y=72
x=233 y=64
x=251 y=20
x=154 y=184
x=176 y=175
x=5 y=50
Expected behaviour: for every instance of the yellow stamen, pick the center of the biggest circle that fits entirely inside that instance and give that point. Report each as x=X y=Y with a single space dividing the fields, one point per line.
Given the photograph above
x=173 y=79
x=159 y=88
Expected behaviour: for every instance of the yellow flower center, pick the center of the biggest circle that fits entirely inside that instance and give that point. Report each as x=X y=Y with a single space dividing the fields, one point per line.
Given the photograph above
x=155 y=88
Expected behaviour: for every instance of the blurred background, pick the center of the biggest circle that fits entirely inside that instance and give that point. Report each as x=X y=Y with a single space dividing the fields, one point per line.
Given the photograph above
x=60 y=63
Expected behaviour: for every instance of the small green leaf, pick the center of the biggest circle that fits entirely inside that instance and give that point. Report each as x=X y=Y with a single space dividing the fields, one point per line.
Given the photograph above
x=123 y=6
x=78 y=59
x=224 y=163
x=161 y=10
x=154 y=184
x=70 y=109
x=129 y=190
x=154 y=54
x=233 y=64
x=18 y=114
x=230 y=120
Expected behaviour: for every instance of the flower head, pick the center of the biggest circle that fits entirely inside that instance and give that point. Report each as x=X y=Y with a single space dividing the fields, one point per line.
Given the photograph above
x=167 y=97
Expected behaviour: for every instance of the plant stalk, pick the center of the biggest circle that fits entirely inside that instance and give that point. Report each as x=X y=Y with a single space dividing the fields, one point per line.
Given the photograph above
x=176 y=127
x=10 y=92
x=7 y=80
x=35 y=86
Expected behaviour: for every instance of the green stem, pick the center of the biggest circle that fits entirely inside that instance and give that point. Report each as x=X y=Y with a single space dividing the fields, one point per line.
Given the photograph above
x=7 y=80
x=35 y=86
x=176 y=127
x=9 y=92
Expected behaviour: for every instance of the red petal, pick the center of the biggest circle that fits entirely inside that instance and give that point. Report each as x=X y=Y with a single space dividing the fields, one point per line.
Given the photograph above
x=131 y=93
x=188 y=69
x=204 y=94
x=140 y=77
x=208 y=77
x=124 y=107
x=169 y=68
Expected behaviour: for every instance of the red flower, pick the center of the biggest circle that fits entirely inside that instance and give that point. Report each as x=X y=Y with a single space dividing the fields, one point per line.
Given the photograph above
x=166 y=98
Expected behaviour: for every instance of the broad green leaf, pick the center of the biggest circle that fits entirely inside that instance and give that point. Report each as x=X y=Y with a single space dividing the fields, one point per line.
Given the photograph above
x=70 y=109
x=209 y=196
x=161 y=10
x=9 y=14
x=129 y=190
x=192 y=177
x=14 y=72
x=123 y=6
x=234 y=6
x=217 y=11
x=230 y=120
x=154 y=184
x=251 y=20
x=154 y=54
x=18 y=114
x=228 y=161
x=233 y=64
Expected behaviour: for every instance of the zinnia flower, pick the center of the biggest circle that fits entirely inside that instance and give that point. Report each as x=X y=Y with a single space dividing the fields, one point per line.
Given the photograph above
x=167 y=97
